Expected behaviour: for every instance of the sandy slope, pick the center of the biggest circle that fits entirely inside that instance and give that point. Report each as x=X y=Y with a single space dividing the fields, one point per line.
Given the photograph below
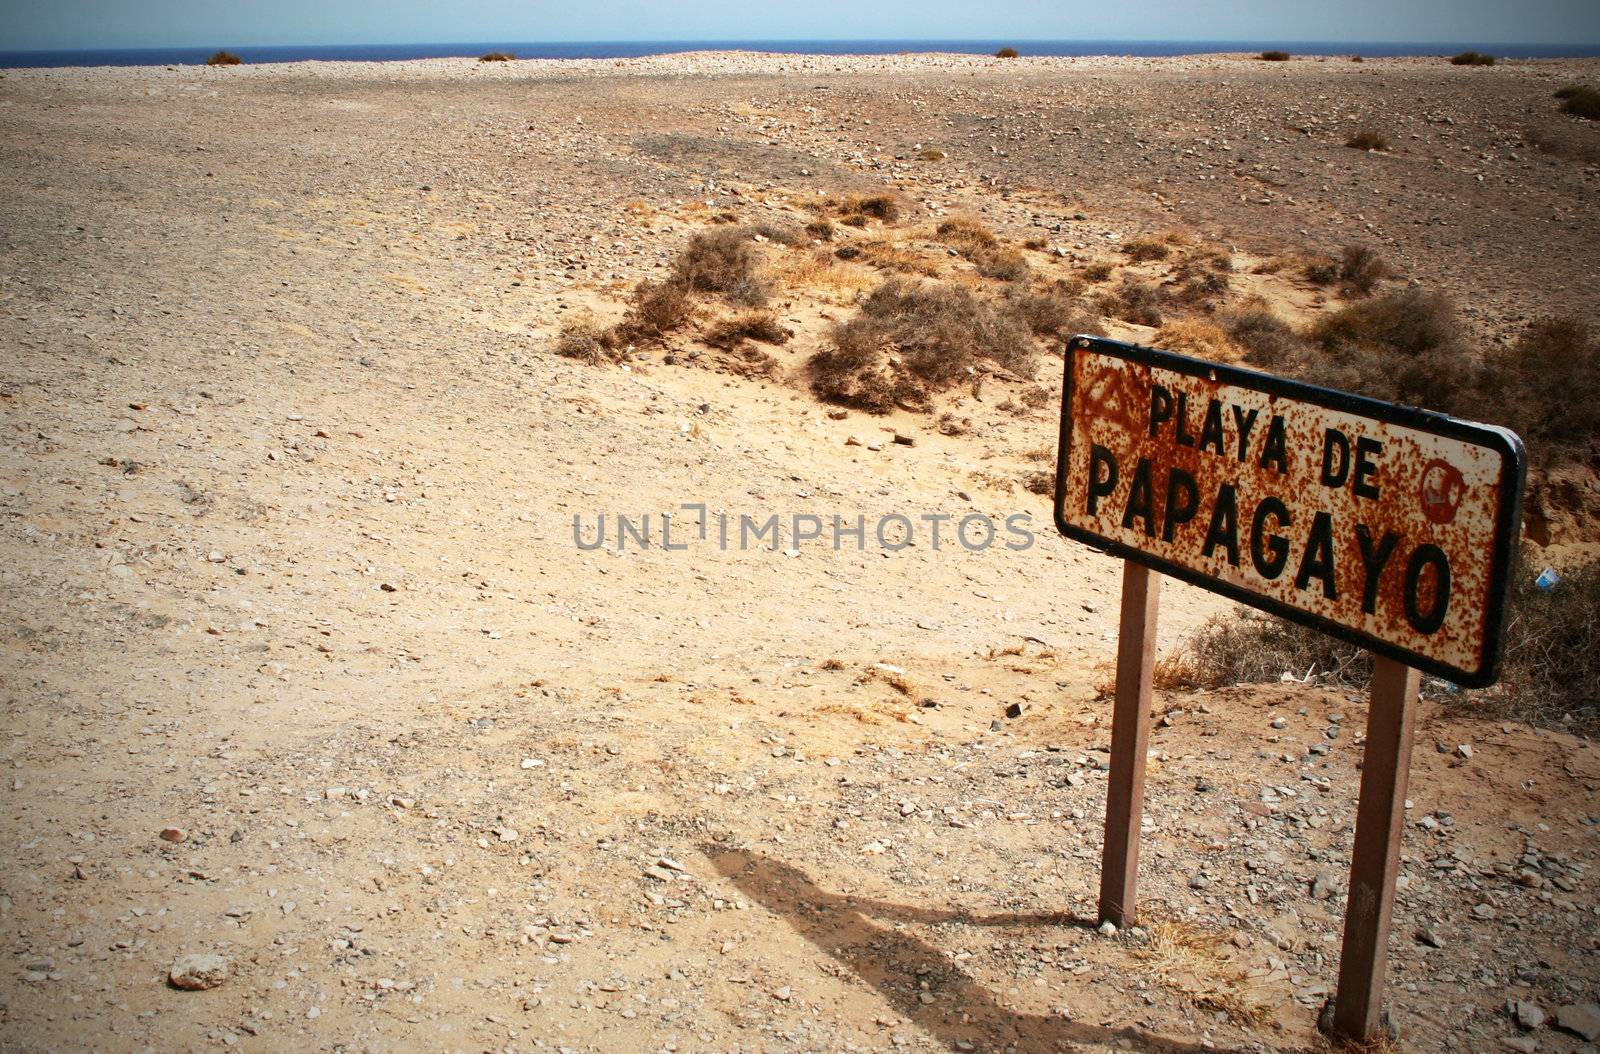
x=289 y=479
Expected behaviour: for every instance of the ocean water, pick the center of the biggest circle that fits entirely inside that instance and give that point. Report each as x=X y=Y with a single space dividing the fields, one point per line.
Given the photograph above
x=633 y=49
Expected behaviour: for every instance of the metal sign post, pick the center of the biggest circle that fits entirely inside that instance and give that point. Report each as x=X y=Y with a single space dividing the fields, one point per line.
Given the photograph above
x=1384 y=525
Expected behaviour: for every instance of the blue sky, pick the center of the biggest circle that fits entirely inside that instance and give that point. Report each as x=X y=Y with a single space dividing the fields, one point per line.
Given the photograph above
x=27 y=24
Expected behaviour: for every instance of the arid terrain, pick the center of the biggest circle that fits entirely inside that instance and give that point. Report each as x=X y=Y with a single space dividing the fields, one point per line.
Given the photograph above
x=303 y=665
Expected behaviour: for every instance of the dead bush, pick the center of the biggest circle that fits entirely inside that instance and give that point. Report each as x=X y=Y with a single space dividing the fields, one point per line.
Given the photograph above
x=888 y=256
x=1098 y=272
x=1003 y=264
x=1471 y=58
x=1054 y=313
x=1546 y=387
x=1254 y=647
x=1133 y=301
x=1319 y=270
x=786 y=234
x=497 y=56
x=725 y=262
x=822 y=230
x=857 y=209
x=752 y=325
x=582 y=339
x=930 y=154
x=1405 y=347
x=1203 y=278
x=1140 y=250
x=1039 y=481
x=654 y=310
x=1275 y=56
x=965 y=234
x=1006 y=53
x=951 y=425
x=1194 y=337
x=1268 y=341
x=1361 y=269
x=1550 y=669
x=1367 y=139
x=1580 y=101
x=224 y=58
x=910 y=339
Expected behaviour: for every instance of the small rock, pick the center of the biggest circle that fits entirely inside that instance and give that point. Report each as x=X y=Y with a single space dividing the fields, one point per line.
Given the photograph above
x=1016 y=709
x=1108 y=928
x=1429 y=936
x=1527 y=1015
x=1521 y=1044
x=1465 y=750
x=783 y=995
x=1582 y=1019
x=196 y=973
x=1199 y=882
x=905 y=440
x=174 y=834
x=1322 y=886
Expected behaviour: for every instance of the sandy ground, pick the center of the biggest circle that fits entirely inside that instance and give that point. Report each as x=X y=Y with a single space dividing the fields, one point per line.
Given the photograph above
x=288 y=487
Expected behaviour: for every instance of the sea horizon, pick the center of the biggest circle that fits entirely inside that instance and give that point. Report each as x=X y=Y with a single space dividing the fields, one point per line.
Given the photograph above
x=618 y=49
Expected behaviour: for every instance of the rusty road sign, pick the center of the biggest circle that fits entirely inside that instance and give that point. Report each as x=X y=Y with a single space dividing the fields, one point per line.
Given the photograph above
x=1388 y=526
x=1385 y=525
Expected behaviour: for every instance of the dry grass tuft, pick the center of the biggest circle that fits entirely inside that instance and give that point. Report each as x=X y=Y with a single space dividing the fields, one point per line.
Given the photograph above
x=224 y=58
x=1274 y=56
x=1133 y=301
x=1141 y=250
x=1268 y=341
x=1195 y=337
x=1191 y=962
x=497 y=56
x=752 y=325
x=910 y=339
x=967 y=234
x=930 y=154
x=585 y=341
x=725 y=262
x=1546 y=387
x=1361 y=269
x=1055 y=312
x=654 y=310
x=1367 y=139
x=1472 y=58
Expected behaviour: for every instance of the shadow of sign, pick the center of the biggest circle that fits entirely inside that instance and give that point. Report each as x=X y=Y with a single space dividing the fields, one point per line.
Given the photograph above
x=861 y=935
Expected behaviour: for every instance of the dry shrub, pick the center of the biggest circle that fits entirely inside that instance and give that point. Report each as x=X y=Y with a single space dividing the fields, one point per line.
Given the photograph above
x=1140 y=250
x=1361 y=269
x=582 y=339
x=1275 y=56
x=723 y=261
x=1005 y=265
x=1552 y=651
x=1194 y=337
x=1202 y=278
x=1039 y=482
x=1006 y=53
x=1546 y=387
x=1550 y=669
x=1580 y=101
x=930 y=154
x=1471 y=58
x=654 y=310
x=821 y=230
x=857 y=209
x=1405 y=347
x=752 y=325
x=1268 y=341
x=1367 y=139
x=1098 y=272
x=497 y=56
x=951 y=425
x=1254 y=647
x=910 y=339
x=1194 y=963
x=1319 y=270
x=1133 y=301
x=966 y=234
x=1054 y=312
x=224 y=58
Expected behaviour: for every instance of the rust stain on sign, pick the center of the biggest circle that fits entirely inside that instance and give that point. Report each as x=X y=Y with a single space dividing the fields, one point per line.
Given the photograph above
x=1386 y=525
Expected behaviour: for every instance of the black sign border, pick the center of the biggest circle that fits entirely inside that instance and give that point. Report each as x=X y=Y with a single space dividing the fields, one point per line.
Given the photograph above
x=1508 y=520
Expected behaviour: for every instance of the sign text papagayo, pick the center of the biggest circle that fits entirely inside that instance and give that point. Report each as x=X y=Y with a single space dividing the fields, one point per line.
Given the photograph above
x=1387 y=526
